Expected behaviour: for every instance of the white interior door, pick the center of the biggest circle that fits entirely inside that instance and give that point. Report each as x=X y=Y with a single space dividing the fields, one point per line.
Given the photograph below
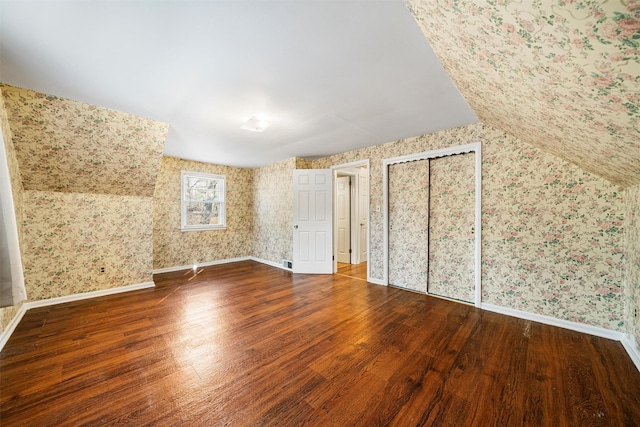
x=312 y=219
x=343 y=218
x=363 y=213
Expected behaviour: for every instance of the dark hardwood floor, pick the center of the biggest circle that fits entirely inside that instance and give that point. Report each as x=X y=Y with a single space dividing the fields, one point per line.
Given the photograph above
x=246 y=344
x=357 y=271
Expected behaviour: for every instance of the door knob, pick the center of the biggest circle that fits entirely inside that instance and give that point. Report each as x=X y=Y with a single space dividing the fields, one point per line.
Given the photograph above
x=295 y=226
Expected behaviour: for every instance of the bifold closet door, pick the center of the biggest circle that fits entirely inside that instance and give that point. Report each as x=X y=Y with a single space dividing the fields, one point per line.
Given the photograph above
x=451 y=227
x=409 y=224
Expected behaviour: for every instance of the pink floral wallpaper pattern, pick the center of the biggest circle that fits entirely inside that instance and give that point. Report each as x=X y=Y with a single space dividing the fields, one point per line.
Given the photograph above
x=561 y=75
x=409 y=224
x=68 y=237
x=172 y=247
x=451 y=227
x=65 y=145
x=273 y=210
x=632 y=247
x=552 y=237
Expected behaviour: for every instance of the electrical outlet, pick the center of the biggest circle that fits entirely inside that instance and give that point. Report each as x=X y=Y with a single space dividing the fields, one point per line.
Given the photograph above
x=101 y=269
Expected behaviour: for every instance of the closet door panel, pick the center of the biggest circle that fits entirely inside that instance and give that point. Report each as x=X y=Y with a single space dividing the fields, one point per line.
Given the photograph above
x=409 y=224
x=451 y=227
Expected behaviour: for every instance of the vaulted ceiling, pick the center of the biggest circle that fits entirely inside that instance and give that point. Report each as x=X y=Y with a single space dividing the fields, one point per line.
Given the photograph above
x=333 y=76
x=561 y=75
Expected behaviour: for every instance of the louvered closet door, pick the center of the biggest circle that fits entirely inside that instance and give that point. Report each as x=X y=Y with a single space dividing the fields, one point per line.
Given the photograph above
x=451 y=227
x=409 y=224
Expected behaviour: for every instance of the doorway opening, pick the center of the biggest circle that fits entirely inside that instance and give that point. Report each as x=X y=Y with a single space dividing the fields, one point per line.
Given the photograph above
x=351 y=219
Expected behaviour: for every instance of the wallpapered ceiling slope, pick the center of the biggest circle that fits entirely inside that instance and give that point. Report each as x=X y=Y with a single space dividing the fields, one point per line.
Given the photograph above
x=69 y=146
x=171 y=247
x=561 y=75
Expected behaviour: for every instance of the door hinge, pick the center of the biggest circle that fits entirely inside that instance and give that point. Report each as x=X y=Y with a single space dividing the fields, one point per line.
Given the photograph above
x=349 y=250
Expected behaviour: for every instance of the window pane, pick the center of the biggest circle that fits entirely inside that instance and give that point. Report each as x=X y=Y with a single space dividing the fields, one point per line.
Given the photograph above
x=203 y=213
x=202 y=195
x=202 y=201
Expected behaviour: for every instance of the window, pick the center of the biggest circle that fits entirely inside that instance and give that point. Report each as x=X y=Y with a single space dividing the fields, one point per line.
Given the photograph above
x=203 y=204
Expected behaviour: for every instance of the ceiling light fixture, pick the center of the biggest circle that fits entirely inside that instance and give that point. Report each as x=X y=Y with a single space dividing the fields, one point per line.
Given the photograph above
x=256 y=124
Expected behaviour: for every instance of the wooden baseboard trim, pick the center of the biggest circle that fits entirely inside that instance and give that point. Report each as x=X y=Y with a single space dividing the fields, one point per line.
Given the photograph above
x=4 y=337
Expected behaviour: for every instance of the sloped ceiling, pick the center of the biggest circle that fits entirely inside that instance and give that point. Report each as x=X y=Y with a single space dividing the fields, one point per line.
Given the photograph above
x=561 y=75
x=68 y=146
x=331 y=76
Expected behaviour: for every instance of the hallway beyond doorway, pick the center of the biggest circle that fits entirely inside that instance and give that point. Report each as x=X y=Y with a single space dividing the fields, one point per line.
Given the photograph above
x=356 y=271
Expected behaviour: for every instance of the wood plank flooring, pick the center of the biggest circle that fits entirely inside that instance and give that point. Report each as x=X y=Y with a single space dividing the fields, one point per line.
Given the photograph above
x=357 y=271
x=246 y=344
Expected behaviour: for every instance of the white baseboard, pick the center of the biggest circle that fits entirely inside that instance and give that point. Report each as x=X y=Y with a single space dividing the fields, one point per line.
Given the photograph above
x=4 y=337
x=632 y=350
x=200 y=264
x=547 y=320
x=88 y=295
x=375 y=281
x=271 y=263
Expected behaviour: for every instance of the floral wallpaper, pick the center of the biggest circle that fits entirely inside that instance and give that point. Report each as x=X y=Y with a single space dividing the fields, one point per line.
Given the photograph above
x=7 y=313
x=273 y=211
x=561 y=75
x=171 y=247
x=552 y=234
x=409 y=224
x=451 y=223
x=632 y=246
x=376 y=154
x=68 y=237
x=302 y=163
x=69 y=146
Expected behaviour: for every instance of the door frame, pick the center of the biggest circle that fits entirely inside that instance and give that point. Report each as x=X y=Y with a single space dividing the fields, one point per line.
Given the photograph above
x=340 y=169
x=444 y=152
x=352 y=189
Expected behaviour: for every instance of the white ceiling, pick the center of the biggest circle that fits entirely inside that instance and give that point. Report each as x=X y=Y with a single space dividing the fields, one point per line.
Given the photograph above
x=332 y=76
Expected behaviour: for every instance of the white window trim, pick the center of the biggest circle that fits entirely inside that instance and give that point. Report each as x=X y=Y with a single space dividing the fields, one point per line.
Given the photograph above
x=183 y=206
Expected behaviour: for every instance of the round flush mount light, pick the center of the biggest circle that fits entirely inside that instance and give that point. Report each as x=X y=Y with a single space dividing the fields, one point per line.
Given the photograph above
x=257 y=123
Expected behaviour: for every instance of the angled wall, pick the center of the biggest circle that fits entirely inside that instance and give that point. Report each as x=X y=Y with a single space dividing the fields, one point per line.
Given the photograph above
x=88 y=175
x=562 y=76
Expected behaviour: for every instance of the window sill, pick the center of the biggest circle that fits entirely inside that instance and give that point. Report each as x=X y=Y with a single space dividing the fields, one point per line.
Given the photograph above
x=203 y=228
